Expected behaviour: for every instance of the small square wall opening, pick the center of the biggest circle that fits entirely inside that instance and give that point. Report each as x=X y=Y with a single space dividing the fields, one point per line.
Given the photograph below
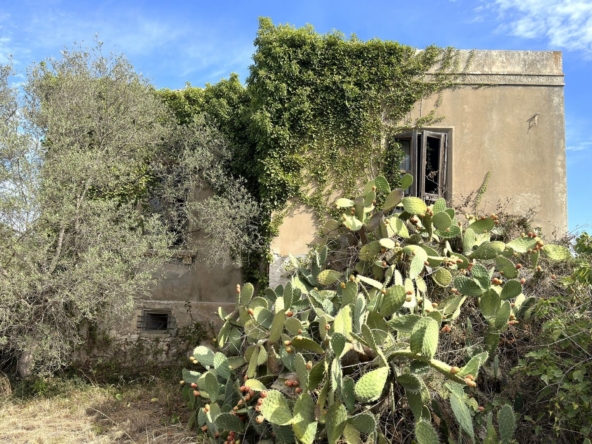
x=156 y=321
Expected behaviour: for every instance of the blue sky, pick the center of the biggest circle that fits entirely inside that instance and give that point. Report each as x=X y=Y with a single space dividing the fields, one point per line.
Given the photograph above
x=177 y=41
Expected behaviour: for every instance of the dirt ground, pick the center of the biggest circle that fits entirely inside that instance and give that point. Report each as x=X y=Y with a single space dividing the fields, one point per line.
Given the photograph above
x=97 y=414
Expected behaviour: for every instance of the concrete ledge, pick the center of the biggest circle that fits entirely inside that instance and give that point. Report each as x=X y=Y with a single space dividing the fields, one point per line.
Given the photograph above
x=513 y=62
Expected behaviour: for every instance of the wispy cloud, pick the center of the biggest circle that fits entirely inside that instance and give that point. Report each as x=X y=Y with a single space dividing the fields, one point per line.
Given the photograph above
x=579 y=146
x=566 y=24
x=182 y=48
x=577 y=134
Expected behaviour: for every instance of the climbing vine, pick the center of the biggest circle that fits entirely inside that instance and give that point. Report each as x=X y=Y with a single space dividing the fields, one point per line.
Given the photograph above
x=316 y=111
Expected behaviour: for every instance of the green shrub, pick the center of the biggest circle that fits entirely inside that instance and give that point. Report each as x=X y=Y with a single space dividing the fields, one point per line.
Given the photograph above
x=358 y=338
x=557 y=371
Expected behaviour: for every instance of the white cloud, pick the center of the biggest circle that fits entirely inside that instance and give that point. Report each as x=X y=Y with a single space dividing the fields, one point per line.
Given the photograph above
x=579 y=146
x=564 y=23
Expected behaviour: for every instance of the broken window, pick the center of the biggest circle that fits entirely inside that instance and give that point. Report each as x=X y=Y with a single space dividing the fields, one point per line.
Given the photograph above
x=426 y=159
x=156 y=321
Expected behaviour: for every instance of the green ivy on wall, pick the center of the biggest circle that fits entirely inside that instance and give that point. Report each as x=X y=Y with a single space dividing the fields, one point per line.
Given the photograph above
x=316 y=111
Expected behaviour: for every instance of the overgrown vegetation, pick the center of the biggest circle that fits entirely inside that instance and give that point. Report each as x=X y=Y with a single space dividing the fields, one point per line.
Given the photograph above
x=315 y=109
x=409 y=322
x=360 y=340
x=97 y=183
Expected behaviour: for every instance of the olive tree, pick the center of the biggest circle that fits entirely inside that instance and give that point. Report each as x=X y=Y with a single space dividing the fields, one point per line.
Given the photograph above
x=90 y=165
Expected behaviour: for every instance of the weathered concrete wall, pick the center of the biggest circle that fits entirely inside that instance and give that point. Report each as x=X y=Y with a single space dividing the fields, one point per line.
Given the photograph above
x=187 y=288
x=507 y=117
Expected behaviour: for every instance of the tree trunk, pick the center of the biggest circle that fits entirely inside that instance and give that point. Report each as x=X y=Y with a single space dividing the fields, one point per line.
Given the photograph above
x=25 y=363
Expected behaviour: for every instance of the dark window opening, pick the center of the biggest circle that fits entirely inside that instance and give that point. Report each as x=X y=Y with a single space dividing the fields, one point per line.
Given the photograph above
x=426 y=159
x=156 y=321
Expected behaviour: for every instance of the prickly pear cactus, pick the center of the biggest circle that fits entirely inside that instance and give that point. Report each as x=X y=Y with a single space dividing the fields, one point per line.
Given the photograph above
x=321 y=358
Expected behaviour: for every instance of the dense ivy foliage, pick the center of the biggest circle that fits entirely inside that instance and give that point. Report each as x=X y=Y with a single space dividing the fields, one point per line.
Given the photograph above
x=324 y=107
x=315 y=111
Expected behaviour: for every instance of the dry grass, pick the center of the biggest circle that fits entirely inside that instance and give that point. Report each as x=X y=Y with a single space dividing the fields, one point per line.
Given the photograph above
x=92 y=414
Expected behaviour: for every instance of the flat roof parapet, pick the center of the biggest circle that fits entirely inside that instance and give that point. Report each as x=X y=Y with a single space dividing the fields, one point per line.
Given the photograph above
x=498 y=67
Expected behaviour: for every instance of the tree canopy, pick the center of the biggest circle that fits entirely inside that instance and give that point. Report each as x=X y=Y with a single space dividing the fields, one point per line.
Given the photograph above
x=96 y=180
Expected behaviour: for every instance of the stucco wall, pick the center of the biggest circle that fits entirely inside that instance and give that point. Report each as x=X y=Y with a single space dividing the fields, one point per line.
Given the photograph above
x=492 y=127
x=509 y=120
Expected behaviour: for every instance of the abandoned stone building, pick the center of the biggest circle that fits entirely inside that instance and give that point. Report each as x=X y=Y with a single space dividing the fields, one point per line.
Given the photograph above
x=506 y=118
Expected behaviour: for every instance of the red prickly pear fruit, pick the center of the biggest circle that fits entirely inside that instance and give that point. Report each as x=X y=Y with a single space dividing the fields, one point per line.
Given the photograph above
x=260 y=419
x=263 y=395
x=289 y=313
x=523 y=281
x=454 y=370
x=298 y=390
x=288 y=383
x=481 y=408
x=193 y=385
x=251 y=312
x=195 y=393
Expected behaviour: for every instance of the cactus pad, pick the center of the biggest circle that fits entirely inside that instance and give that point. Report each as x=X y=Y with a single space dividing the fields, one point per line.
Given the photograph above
x=369 y=387
x=511 y=289
x=328 y=277
x=301 y=370
x=246 y=294
x=364 y=423
x=230 y=423
x=302 y=343
x=482 y=226
x=221 y=365
x=441 y=221
x=275 y=408
x=472 y=367
x=393 y=199
x=204 y=356
x=425 y=433
x=393 y=300
x=506 y=423
x=468 y=286
x=424 y=337
x=414 y=205
x=336 y=421
x=442 y=276
x=556 y=252
x=462 y=415
x=304 y=424
x=255 y=385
